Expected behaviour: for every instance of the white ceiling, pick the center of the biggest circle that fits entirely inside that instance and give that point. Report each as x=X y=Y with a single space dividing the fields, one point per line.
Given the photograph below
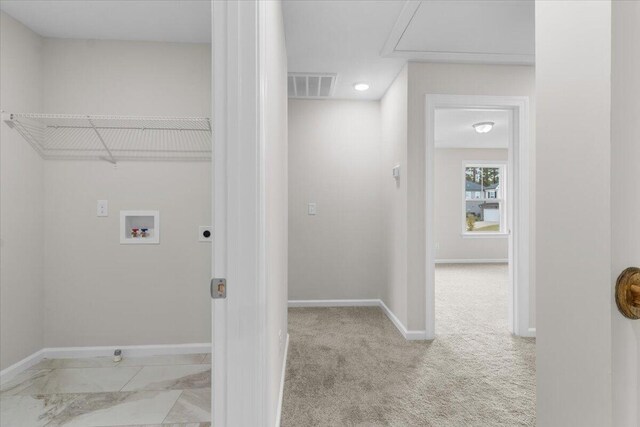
x=343 y=37
x=360 y=40
x=370 y=41
x=186 y=21
x=454 y=128
x=486 y=31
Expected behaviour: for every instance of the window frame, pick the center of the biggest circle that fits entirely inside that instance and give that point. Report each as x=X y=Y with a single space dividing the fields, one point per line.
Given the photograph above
x=501 y=199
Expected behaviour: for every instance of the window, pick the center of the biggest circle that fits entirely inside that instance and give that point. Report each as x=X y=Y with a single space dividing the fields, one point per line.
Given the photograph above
x=484 y=199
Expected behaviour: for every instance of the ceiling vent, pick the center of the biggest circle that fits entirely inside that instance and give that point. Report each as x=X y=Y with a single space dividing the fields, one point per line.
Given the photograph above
x=311 y=85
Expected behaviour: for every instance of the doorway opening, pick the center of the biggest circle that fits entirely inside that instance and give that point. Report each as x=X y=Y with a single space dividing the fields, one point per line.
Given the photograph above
x=471 y=219
x=478 y=205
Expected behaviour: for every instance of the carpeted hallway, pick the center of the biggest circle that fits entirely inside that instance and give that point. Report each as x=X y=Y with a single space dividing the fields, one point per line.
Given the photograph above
x=351 y=366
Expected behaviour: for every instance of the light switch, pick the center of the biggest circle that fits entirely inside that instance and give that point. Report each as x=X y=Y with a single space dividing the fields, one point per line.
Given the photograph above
x=311 y=209
x=103 y=208
x=396 y=171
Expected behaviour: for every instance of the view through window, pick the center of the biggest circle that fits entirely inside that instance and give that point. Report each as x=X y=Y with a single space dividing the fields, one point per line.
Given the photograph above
x=484 y=195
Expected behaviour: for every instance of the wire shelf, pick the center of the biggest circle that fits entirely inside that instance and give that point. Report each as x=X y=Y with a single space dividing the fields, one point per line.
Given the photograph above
x=115 y=138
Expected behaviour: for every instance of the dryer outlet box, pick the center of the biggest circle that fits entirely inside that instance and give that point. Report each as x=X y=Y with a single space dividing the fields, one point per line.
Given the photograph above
x=205 y=233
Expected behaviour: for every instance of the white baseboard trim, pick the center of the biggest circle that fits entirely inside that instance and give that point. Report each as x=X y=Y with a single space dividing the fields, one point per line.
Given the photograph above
x=407 y=334
x=335 y=303
x=282 y=378
x=79 y=352
x=472 y=261
x=127 y=350
x=531 y=333
x=22 y=365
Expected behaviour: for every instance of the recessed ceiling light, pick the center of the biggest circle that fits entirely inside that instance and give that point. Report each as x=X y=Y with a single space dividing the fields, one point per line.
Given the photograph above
x=361 y=87
x=483 y=127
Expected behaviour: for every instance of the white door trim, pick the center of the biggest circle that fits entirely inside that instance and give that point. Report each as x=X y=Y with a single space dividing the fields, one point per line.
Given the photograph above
x=219 y=209
x=239 y=360
x=519 y=179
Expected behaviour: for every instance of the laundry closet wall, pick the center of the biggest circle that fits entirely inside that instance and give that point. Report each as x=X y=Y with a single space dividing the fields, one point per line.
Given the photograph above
x=97 y=291
x=21 y=198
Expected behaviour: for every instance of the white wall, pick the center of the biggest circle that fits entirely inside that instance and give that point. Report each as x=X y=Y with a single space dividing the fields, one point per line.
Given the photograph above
x=574 y=289
x=98 y=292
x=336 y=161
x=454 y=79
x=21 y=197
x=449 y=211
x=625 y=203
x=393 y=108
x=276 y=199
x=127 y=78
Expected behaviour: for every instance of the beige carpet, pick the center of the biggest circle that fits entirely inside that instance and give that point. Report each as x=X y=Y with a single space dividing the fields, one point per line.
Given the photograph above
x=351 y=367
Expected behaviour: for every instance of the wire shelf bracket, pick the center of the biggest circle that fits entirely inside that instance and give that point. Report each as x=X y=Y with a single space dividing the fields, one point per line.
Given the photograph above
x=114 y=138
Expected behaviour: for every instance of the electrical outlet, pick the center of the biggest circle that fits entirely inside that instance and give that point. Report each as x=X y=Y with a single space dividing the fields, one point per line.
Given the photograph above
x=103 y=208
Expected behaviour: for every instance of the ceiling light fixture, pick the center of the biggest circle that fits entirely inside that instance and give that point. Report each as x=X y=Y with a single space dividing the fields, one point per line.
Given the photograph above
x=361 y=87
x=483 y=127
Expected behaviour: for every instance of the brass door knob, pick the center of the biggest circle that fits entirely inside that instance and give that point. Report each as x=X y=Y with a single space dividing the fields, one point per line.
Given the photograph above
x=628 y=293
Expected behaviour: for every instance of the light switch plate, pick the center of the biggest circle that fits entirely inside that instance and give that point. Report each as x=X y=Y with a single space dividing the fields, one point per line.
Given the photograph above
x=312 y=209
x=205 y=233
x=103 y=208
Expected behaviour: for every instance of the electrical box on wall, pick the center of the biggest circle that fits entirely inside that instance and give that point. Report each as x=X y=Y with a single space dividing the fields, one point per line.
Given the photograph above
x=396 y=171
x=139 y=227
x=205 y=234
x=103 y=208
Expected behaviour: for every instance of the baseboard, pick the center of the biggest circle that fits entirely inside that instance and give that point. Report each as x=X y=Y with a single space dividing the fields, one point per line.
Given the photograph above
x=80 y=352
x=22 y=365
x=531 y=333
x=127 y=350
x=282 y=378
x=335 y=303
x=407 y=334
x=472 y=261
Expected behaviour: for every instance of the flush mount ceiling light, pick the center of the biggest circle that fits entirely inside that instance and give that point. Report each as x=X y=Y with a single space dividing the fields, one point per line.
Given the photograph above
x=483 y=127
x=361 y=87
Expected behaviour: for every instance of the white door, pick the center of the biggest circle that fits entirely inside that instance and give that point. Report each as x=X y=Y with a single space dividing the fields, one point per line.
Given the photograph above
x=588 y=359
x=625 y=203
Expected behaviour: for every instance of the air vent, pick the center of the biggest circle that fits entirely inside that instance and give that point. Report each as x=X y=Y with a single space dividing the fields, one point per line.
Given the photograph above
x=311 y=85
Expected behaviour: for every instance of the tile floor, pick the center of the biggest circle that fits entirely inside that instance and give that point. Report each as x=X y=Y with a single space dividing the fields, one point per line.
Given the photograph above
x=96 y=392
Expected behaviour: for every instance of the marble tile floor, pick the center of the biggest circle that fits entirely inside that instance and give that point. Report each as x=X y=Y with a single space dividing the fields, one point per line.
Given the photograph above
x=158 y=391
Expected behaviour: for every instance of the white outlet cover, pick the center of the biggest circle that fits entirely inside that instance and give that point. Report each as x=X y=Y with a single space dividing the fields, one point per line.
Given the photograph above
x=103 y=208
x=201 y=233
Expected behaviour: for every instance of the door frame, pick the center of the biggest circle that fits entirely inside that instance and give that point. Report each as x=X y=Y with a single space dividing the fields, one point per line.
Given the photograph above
x=239 y=375
x=518 y=169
